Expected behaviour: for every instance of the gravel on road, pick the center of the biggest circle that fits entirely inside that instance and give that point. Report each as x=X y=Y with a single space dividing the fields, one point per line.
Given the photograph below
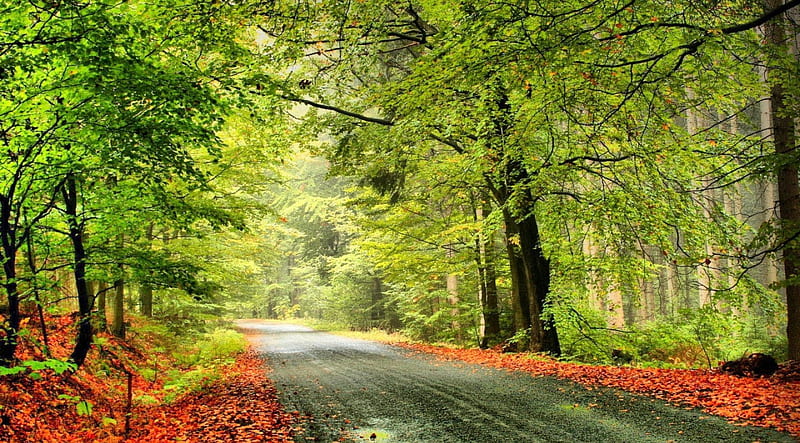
x=360 y=390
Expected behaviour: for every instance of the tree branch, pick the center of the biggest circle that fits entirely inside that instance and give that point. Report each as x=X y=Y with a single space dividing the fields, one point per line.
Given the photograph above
x=338 y=110
x=769 y=15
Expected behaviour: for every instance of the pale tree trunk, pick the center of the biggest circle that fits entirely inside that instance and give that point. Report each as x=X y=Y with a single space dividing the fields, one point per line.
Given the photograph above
x=607 y=296
x=784 y=137
x=706 y=274
x=118 y=305
x=146 y=290
x=451 y=284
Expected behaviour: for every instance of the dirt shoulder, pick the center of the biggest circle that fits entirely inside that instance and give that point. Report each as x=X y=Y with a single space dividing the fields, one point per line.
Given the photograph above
x=772 y=402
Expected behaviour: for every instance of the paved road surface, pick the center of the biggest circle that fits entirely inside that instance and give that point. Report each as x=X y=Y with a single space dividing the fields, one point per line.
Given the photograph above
x=353 y=388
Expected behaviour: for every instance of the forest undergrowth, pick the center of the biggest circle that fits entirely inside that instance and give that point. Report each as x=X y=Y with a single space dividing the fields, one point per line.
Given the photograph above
x=143 y=389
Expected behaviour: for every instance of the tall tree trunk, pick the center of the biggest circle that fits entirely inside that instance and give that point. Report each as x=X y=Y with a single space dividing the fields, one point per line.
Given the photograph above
x=118 y=309
x=146 y=290
x=783 y=134
x=519 y=295
x=451 y=286
x=118 y=306
x=11 y=318
x=146 y=299
x=84 y=339
x=491 y=311
x=487 y=285
x=544 y=337
x=531 y=270
x=376 y=314
x=529 y=266
x=100 y=297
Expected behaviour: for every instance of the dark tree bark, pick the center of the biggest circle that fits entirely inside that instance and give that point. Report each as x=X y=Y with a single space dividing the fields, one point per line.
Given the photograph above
x=487 y=295
x=118 y=309
x=491 y=312
x=10 y=326
x=146 y=300
x=84 y=337
x=530 y=273
x=519 y=296
x=544 y=336
x=783 y=134
x=489 y=332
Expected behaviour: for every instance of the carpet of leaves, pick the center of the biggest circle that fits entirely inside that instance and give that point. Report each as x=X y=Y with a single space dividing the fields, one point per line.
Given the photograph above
x=767 y=402
x=241 y=406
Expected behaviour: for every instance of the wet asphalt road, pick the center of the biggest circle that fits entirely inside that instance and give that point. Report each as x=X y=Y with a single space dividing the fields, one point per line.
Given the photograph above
x=353 y=389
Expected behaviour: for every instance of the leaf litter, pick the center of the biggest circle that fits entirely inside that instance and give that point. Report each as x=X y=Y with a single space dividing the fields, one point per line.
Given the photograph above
x=772 y=402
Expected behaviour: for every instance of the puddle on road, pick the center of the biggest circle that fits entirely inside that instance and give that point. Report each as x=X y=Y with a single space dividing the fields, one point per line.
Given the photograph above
x=371 y=434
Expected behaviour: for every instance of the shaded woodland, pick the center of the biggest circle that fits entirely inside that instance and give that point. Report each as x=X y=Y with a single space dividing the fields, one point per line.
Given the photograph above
x=606 y=181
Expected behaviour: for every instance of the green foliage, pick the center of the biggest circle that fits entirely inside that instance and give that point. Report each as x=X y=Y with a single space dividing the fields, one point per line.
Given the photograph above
x=584 y=336
x=692 y=338
x=36 y=368
x=212 y=349
x=147 y=400
x=202 y=356
x=183 y=382
x=83 y=407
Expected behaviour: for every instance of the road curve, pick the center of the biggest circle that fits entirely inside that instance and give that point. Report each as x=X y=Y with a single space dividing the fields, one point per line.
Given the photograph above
x=352 y=389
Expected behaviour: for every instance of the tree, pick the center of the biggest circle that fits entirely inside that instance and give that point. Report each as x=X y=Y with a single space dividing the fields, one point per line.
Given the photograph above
x=101 y=96
x=570 y=105
x=781 y=66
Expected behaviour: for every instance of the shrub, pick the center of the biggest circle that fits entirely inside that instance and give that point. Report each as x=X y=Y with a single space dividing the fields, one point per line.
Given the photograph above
x=217 y=347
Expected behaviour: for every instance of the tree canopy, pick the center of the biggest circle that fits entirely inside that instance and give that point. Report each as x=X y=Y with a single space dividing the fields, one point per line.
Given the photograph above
x=564 y=177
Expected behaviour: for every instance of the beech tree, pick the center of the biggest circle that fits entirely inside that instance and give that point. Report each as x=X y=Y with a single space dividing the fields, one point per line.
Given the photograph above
x=568 y=106
x=99 y=95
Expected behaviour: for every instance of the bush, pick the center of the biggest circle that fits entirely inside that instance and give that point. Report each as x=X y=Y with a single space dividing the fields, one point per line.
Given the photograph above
x=217 y=347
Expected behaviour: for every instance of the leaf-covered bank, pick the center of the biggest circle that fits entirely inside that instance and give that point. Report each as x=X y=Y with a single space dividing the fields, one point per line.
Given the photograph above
x=149 y=387
x=768 y=402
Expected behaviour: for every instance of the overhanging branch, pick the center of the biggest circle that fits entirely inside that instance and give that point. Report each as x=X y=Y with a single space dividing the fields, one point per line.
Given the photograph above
x=339 y=110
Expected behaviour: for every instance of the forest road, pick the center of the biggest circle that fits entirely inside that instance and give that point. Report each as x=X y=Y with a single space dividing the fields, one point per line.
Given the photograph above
x=353 y=390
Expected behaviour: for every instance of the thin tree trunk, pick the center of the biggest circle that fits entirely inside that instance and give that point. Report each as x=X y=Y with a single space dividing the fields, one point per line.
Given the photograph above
x=118 y=307
x=35 y=288
x=100 y=297
x=519 y=295
x=145 y=290
x=451 y=286
x=84 y=339
x=10 y=327
x=376 y=313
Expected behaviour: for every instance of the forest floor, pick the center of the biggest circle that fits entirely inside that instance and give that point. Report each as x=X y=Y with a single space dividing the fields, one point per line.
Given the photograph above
x=234 y=401
x=350 y=390
x=772 y=402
